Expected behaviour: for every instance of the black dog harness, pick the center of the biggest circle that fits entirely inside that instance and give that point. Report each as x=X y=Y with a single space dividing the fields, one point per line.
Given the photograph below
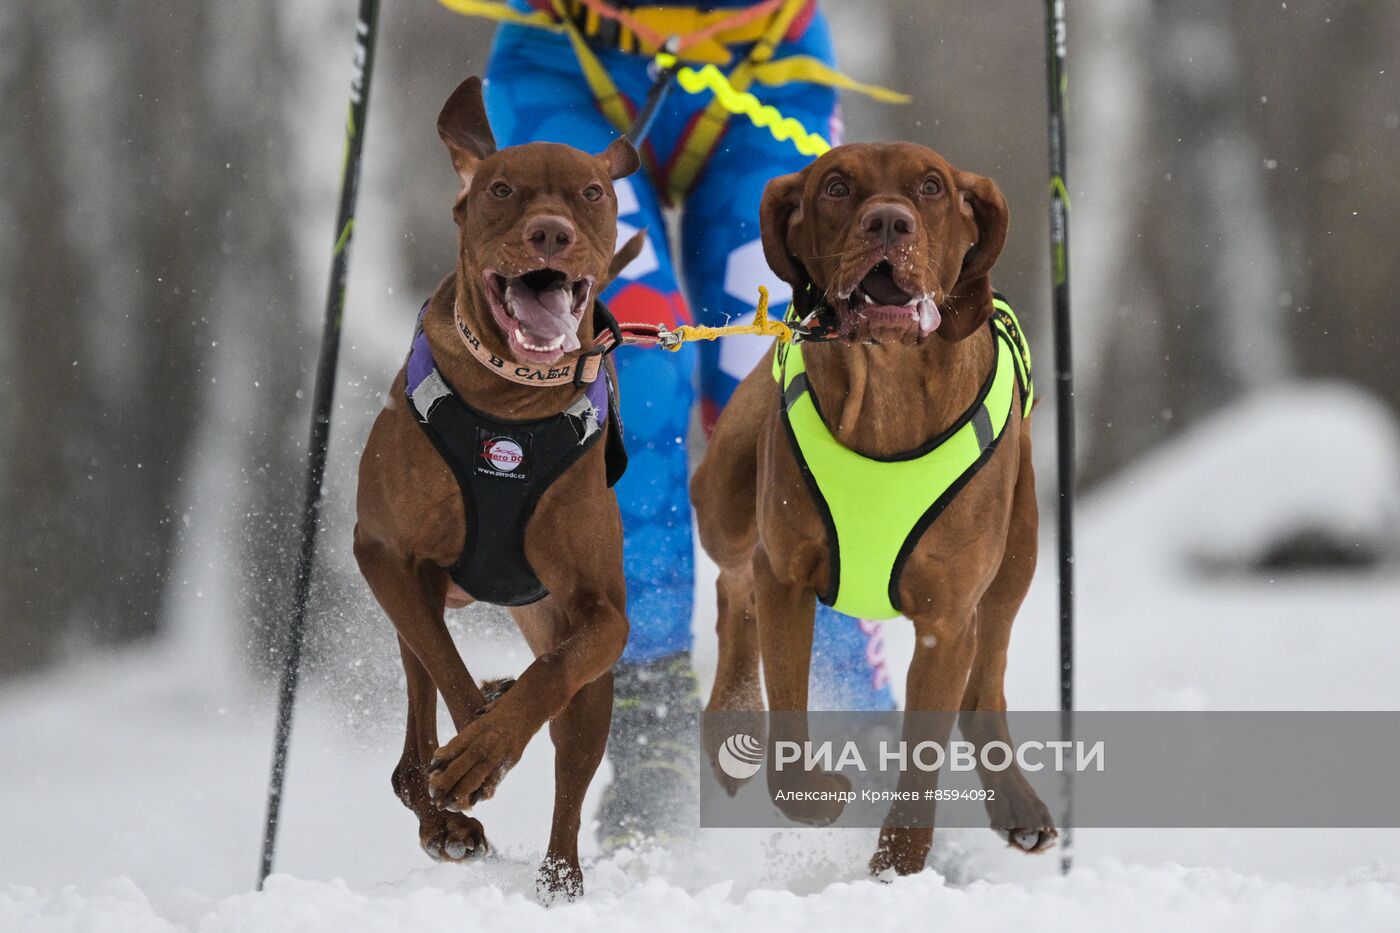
x=503 y=467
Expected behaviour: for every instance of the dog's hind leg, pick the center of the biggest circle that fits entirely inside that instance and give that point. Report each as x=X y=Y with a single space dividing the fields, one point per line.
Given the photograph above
x=724 y=492
x=786 y=614
x=580 y=734
x=738 y=686
x=1017 y=812
x=444 y=835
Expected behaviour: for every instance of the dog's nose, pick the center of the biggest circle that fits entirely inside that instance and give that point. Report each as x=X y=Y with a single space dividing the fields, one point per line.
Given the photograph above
x=549 y=234
x=891 y=222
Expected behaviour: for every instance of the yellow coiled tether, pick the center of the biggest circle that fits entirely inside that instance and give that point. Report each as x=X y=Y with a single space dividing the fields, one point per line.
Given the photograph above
x=784 y=129
x=762 y=326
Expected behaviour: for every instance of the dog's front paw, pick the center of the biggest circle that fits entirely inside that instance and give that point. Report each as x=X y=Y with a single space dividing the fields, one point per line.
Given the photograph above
x=1020 y=817
x=901 y=851
x=558 y=879
x=469 y=768
x=1030 y=840
x=452 y=837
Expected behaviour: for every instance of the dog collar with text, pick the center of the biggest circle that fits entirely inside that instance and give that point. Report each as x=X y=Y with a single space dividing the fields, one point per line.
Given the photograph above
x=580 y=371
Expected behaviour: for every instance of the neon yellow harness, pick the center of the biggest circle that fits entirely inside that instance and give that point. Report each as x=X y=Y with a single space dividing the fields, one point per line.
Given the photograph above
x=876 y=510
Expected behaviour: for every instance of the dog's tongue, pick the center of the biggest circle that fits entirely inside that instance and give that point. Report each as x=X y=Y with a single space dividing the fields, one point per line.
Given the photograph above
x=546 y=315
x=879 y=285
x=929 y=316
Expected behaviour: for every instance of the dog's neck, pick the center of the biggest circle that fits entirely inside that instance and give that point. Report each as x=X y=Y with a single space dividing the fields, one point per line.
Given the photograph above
x=477 y=385
x=887 y=399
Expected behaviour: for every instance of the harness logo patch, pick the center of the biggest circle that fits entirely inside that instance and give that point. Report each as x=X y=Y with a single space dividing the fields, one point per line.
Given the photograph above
x=502 y=456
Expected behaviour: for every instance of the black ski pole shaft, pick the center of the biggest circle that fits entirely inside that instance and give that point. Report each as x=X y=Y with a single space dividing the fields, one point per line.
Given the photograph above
x=365 y=31
x=1055 y=37
x=660 y=87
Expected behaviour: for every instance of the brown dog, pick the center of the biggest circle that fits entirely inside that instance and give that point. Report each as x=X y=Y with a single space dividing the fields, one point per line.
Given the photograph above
x=893 y=246
x=537 y=227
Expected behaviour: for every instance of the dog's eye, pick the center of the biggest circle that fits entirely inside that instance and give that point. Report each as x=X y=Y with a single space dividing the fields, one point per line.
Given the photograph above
x=593 y=192
x=836 y=188
x=930 y=187
x=502 y=190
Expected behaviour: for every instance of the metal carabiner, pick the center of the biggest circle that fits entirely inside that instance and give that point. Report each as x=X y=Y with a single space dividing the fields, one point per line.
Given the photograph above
x=668 y=339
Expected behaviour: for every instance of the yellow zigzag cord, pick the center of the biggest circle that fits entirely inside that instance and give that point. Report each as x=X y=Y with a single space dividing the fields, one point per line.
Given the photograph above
x=761 y=327
x=784 y=129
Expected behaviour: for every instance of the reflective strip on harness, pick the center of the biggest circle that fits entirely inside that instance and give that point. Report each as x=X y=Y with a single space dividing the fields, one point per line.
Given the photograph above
x=1005 y=319
x=429 y=391
x=876 y=510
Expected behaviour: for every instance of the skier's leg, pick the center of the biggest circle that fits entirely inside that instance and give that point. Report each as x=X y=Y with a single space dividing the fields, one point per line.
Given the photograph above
x=536 y=92
x=723 y=265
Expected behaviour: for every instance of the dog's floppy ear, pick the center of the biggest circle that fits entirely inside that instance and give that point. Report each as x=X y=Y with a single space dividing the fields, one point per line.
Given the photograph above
x=969 y=304
x=630 y=251
x=620 y=159
x=463 y=125
x=779 y=213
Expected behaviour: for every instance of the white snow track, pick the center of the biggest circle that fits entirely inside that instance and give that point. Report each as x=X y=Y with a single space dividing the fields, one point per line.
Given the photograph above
x=131 y=790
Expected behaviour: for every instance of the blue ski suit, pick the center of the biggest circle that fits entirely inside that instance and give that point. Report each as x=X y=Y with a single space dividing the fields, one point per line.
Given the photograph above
x=536 y=91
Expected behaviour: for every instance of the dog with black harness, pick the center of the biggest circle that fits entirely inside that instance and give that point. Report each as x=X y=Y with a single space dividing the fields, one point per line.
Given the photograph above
x=504 y=466
x=488 y=477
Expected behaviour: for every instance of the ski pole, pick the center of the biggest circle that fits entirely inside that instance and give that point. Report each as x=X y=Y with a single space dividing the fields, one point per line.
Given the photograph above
x=365 y=32
x=660 y=88
x=1057 y=79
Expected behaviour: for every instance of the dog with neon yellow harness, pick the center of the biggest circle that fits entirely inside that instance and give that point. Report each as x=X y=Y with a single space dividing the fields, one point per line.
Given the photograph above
x=882 y=464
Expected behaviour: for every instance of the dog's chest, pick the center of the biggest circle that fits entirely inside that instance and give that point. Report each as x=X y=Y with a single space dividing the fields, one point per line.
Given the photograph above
x=876 y=514
x=502 y=469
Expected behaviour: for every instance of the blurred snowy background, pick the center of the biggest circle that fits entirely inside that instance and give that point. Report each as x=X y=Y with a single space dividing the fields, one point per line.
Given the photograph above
x=166 y=206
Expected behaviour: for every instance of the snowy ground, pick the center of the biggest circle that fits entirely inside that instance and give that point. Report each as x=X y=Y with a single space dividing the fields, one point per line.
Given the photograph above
x=131 y=789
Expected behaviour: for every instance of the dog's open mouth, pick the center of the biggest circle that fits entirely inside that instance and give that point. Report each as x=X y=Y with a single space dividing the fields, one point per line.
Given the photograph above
x=877 y=308
x=539 y=312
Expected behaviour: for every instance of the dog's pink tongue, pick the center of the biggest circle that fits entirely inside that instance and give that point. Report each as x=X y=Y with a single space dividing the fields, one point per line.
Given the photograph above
x=545 y=316
x=929 y=317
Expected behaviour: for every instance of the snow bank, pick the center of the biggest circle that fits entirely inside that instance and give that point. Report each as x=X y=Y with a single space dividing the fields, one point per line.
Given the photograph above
x=1301 y=457
x=148 y=769
x=1108 y=896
